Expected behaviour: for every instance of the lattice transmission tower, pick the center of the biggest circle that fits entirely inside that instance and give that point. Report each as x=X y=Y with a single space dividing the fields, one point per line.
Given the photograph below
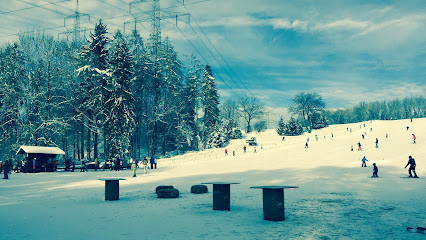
x=76 y=29
x=155 y=16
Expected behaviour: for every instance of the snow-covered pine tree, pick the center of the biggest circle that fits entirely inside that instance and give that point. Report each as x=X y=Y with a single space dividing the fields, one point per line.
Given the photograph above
x=120 y=118
x=293 y=127
x=281 y=127
x=141 y=85
x=210 y=103
x=191 y=99
x=94 y=75
x=171 y=97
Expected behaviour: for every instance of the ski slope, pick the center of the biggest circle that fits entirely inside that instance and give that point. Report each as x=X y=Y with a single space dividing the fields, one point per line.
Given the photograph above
x=336 y=198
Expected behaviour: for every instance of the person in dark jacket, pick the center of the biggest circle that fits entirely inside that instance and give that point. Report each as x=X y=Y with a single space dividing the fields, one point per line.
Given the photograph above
x=152 y=162
x=412 y=164
x=117 y=164
x=377 y=143
x=6 y=168
x=375 y=170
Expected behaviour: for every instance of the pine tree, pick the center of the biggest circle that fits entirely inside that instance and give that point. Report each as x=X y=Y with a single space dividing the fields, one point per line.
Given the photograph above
x=293 y=127
x=210 y=103
x=171 y=97
x=120 y=118
x=281 y=129
x=191 y=99
x=94 y=74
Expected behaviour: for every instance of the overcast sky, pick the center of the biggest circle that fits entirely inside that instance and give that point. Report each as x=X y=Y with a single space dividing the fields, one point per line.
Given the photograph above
x=348 y=51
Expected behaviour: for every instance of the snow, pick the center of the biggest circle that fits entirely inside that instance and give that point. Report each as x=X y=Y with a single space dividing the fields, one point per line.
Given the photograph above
x=38 y=149
x=336 y=198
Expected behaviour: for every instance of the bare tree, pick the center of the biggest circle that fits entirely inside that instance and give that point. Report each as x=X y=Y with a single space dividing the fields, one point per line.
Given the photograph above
x=250 y=108
x=306 y=105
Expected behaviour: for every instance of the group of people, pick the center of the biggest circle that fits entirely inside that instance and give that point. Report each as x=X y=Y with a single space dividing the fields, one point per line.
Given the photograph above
x=135 y=165
x=411 y=163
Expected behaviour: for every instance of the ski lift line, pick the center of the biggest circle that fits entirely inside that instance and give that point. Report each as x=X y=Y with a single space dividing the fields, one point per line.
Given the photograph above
x=34 y=6
x=205 y=59
x=211 y=53
x=208 y=39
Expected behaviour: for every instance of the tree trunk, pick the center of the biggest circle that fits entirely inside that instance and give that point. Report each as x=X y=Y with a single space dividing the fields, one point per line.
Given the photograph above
x=95 y=145
x=82 y=142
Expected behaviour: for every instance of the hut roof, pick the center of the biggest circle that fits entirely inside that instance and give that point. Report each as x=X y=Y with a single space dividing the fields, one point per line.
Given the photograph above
x=41 y=150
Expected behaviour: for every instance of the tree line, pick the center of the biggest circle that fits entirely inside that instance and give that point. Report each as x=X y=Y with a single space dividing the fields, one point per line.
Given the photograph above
x=309 y=112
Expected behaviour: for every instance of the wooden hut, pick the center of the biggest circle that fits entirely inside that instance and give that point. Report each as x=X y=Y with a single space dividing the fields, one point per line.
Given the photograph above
x=44 y=158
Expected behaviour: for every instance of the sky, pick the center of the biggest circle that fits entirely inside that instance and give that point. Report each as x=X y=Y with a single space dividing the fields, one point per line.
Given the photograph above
x=347 y=51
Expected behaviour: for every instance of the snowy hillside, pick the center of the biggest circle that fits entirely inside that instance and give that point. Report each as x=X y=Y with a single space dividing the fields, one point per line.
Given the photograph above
x=336 y=198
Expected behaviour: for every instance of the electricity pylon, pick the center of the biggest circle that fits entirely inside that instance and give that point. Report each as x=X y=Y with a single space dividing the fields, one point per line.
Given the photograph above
x=76 y=30
x=155 y=17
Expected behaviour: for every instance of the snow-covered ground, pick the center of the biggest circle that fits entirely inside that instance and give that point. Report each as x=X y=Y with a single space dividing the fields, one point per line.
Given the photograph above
x=336 y=198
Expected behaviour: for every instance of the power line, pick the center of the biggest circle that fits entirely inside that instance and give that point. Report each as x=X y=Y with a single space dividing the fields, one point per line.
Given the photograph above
x=33 y=6
x=193 y=46
x=42 y=7
x=220 y=65
x=208 y=39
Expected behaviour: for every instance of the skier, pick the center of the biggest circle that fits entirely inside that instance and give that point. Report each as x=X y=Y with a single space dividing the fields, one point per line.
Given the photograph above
x=408 y=128
x=371 y=129
x=375 y=170
x=145 y=165
x=387 y=135
x=283 y=138
x=363 y=162
x=332 y=135
x=245 y=148
x=316 y=137
x=134 y=166
x=359 y=146
x=414 y=138
x=412 y=164
x=226 y=151
x=6 y=168
x=306 y=145
x=255 y=150
x=352 y=148
x=377 y=143
x=233 y=153
x=362 y=136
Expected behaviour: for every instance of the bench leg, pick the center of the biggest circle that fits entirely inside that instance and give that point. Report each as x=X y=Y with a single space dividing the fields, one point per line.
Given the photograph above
x=221 y=197
x=273 y=204
x=112 y=190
